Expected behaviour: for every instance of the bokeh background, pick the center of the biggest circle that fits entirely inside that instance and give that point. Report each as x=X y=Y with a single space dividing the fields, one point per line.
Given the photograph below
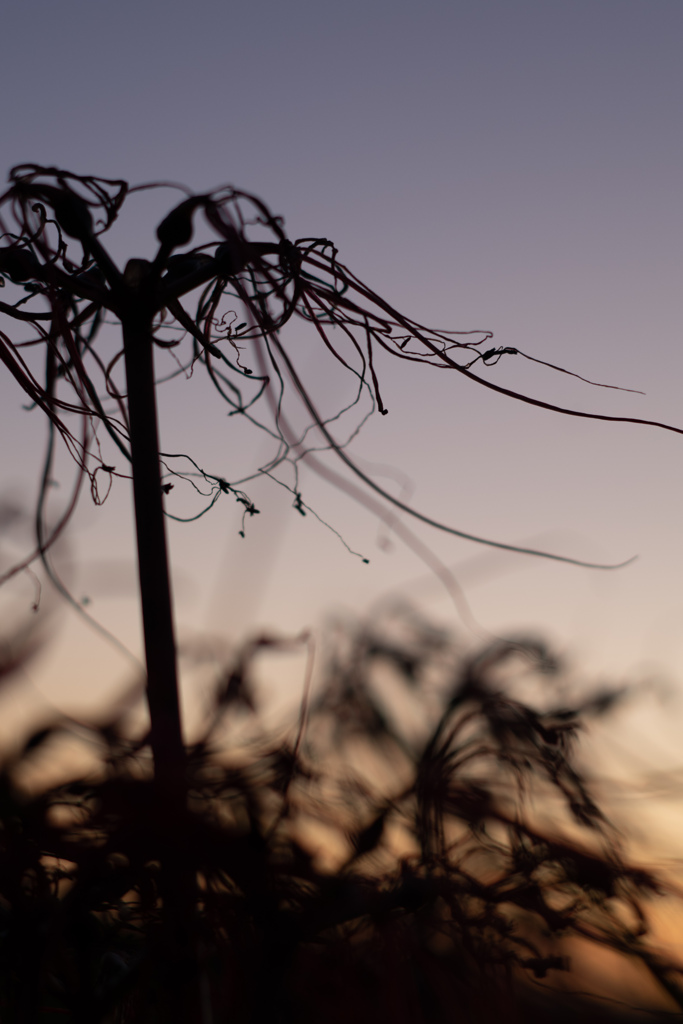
x=513 y=167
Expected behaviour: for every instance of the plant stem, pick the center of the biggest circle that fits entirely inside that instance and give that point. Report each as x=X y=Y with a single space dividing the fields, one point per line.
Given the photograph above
x=153 y=567
x=177 y=884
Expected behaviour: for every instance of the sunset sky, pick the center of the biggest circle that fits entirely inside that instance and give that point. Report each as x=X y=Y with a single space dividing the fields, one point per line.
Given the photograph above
x=514 y=167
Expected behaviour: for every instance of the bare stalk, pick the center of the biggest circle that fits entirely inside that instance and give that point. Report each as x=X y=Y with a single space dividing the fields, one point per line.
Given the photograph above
x=177 y=883
x=153 y=567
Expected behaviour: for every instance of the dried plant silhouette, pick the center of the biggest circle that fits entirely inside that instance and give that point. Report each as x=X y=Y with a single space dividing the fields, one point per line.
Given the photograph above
x=369 y=863
x=241 y=901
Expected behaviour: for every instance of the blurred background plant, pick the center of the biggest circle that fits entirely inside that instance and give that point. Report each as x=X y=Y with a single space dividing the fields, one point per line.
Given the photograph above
x=419 y=844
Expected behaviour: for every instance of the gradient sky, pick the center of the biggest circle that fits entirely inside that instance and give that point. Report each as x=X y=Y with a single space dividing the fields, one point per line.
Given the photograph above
x=514 y=167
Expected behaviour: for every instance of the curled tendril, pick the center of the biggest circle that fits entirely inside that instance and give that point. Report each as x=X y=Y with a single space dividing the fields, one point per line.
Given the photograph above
x=223 y=306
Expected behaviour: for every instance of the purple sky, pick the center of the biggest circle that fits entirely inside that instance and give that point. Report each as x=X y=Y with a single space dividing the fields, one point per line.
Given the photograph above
x=508 y=166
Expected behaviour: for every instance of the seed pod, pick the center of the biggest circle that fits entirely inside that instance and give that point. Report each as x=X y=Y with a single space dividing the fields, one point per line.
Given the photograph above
x=176 y=227
x=71 y=212
x=19 y=264
x=73 y=216
x=183 y=264
x=290 y=257
x=231 y=258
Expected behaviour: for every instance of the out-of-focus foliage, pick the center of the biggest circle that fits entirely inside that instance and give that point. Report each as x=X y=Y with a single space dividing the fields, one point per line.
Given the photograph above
x=418 y=844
